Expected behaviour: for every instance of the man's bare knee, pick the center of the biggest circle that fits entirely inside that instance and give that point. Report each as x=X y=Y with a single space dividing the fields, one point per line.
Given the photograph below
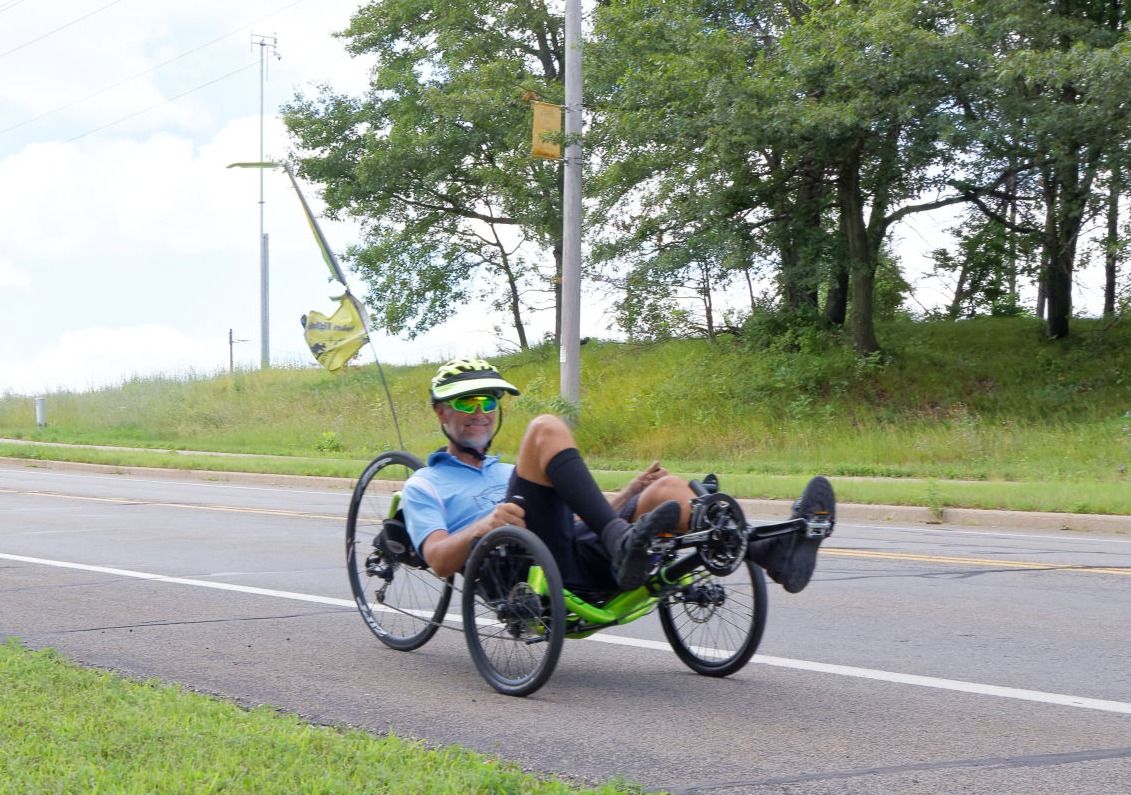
x=546 y=436
x=669 y=487
x=549 y=429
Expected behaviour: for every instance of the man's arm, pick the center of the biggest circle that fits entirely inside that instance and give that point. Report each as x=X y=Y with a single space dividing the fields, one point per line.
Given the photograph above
x=445 y=553
x=637 y=485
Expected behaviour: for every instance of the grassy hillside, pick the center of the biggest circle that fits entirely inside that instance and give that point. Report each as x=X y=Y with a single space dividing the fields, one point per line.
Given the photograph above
x=982 y=400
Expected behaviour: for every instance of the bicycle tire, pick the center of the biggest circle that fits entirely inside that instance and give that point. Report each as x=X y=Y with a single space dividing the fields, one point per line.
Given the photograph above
x=401 y=604
x=514 y=635
x=714 y=624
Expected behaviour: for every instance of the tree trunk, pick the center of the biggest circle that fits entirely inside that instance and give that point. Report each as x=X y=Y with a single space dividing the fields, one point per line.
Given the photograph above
x=836 y=302
x=799 y=262
x=708 y=306
x=515 y=301
x=959 y=291
x=861 y=257
x=1060 y=292
x=1042 y=284
x=1111 y=244
x=1072 y=192
x=558 y=292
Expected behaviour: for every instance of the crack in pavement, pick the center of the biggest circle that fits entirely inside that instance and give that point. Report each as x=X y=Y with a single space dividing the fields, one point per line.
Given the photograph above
x=148 y=624
x=1038 y=760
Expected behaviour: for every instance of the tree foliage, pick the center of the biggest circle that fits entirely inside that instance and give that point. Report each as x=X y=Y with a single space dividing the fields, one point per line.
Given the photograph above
x=434 y=159
x=732 y=144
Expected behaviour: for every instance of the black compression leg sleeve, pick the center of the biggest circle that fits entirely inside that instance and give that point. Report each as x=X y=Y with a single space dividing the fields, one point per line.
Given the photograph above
x=573 y=482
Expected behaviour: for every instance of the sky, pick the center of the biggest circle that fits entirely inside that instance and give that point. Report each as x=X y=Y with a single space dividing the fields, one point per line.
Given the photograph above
x=127 y=248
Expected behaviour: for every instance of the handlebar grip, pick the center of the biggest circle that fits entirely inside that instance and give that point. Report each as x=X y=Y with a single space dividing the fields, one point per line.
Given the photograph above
x=699 y=489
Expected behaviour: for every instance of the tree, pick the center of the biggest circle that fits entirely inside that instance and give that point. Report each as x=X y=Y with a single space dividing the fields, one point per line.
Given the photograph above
x=772 y=121
x=1054 y=99
x=874 y=88
x=686 y=160
x=985 y=267
x=434 y=159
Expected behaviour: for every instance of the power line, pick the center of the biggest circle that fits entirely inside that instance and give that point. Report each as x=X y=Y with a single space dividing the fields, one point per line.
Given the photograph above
x=162 y=102
x=10 y=4
x=64 y=26
x=127 y=117
x=104 y=89
x=145 y=72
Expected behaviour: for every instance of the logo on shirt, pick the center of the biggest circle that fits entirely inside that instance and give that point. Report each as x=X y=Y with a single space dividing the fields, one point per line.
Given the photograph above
x=490 y=497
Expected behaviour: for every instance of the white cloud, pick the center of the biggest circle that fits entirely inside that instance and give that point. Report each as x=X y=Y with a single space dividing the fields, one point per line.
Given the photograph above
x=103 y=356
x=137 y=234
x=13 y=278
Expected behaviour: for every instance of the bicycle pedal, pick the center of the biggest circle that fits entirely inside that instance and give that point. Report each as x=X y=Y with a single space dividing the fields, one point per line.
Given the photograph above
x=818 y=529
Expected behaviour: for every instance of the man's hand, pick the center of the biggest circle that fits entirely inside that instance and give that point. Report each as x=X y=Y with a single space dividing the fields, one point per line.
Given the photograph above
x=644 y=480
x=445 y=553
x=505 y=513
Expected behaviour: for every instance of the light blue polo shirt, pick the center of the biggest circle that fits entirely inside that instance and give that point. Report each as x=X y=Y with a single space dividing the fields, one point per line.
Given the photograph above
x=449 y=494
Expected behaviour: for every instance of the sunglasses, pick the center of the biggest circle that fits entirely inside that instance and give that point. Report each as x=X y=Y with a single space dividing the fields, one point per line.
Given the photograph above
x=469 y=403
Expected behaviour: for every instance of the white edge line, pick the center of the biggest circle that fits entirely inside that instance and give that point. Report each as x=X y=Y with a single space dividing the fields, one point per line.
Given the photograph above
x=1059 y=699
x=220 y=586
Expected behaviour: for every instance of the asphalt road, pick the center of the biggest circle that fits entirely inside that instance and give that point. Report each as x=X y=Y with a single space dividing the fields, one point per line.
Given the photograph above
x=919 y=660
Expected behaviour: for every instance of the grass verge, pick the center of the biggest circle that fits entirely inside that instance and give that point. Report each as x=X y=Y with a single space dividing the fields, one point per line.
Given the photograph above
x=1108 y=498
x=71 y=729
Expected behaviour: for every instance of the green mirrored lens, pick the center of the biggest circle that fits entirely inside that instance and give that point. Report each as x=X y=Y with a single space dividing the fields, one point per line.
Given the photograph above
x=469 y=403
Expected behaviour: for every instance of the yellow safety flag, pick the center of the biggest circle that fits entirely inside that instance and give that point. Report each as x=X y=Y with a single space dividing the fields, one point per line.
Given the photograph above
x=336 y=339
x=547 y=122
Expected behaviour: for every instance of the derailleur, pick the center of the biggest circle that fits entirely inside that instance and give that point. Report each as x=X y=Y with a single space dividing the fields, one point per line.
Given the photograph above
x=379 y=566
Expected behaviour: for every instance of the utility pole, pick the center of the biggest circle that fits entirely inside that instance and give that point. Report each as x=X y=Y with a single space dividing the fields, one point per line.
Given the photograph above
x=265 y=43
x=570 y=352
x=231 y=351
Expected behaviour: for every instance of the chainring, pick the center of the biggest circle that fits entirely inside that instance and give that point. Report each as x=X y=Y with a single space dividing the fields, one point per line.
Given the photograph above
x=724 y=549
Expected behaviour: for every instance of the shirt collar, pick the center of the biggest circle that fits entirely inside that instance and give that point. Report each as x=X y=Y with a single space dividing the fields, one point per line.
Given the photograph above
x=442 y=456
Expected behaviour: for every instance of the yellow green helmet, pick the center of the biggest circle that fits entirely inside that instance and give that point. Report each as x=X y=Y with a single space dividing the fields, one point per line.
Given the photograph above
x=468 y=377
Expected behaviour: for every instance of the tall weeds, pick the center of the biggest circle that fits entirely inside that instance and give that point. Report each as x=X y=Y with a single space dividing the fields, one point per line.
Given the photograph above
x=980 y=400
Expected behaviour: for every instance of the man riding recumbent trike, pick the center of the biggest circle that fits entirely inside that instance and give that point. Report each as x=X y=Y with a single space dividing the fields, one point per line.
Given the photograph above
x=545 y=555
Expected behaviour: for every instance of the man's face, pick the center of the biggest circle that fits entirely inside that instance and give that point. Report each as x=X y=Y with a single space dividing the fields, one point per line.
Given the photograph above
x=469 y=429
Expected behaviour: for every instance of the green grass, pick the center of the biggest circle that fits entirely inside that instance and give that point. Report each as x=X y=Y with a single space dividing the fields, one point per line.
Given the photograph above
x=70 y=729
x=989 y=401
x=984 y=413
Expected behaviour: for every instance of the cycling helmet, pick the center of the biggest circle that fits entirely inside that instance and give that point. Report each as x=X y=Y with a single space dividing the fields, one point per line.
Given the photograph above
x=468 y=377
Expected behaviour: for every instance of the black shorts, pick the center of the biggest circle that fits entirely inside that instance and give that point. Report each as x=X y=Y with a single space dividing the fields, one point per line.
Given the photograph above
x=586 y=567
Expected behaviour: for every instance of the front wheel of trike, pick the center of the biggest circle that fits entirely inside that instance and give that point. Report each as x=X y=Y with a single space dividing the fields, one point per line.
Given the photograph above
x=513 y=610
x=402 y=602
x=715 y=623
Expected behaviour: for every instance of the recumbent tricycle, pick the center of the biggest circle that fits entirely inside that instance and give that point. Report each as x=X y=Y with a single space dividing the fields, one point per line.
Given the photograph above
x=516 y=614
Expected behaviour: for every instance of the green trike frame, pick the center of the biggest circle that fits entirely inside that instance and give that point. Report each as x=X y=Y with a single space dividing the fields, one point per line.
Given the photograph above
x=516 y=614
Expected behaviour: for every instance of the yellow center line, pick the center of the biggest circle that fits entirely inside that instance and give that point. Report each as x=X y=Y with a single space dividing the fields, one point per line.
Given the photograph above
x=1007 y=564
x=827 y=551
x=190 y=506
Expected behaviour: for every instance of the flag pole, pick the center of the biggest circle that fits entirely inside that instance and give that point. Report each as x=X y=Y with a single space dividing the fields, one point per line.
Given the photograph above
x=336 y=271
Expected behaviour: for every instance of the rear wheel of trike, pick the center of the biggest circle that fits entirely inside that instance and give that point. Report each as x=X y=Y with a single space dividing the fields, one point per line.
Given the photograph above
x=715 y=623
x=514 y=628
x=402 y=603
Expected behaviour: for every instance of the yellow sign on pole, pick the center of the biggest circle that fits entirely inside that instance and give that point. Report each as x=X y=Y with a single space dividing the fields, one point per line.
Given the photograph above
x=547 y=122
